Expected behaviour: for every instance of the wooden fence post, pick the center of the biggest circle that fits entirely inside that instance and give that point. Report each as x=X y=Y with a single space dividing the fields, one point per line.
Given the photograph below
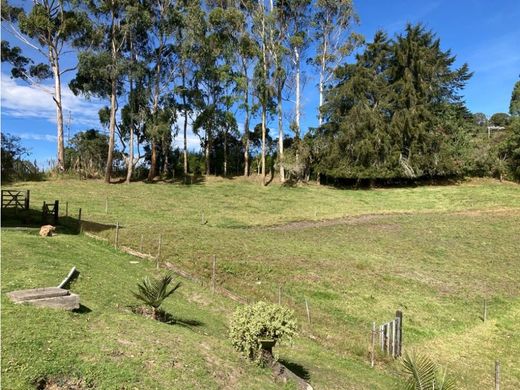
x=372 y=344
x=308 y=311
x=79 y=220
x=158 y=257
x=399 y=315
x=27 y=199
x=484 y=314
x=279 y=294
x=497 y=375
x=56 y=211
x=106 y=205
x=116 y=239
x=67 y=209
x=213 y=274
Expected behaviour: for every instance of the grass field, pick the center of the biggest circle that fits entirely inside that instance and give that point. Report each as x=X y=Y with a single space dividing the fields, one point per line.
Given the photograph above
x=436 y=252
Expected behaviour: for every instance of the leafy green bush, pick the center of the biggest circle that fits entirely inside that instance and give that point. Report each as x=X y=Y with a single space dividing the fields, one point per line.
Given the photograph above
x=260 y=321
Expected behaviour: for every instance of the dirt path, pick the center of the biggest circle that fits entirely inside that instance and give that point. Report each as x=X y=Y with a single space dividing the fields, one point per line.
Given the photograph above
x=367 y=218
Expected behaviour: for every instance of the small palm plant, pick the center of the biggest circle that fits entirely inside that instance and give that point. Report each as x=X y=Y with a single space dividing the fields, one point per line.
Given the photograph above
x=154 y=291
x=423 y=374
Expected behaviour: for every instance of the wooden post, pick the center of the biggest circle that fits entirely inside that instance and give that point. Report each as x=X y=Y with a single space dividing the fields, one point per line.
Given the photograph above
x=213 y=274
x=399 y=315
x=391 y=339
x=484 y=314
x=372 y=344
x=16 y=204
x=158 y=257
x=106 y=205
x=141 y=244
x=308 y=311
x=116 y=239
x=56 y=211
x=67 y=209
x=497 y=375
x=27 y=199
x=279 y=294
x=79 y=220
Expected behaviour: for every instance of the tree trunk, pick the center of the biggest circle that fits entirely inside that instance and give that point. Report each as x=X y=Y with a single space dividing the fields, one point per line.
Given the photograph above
x=264 y=117
x=130 y=165
x=225 y=152
x=59 y=110
x=279 y=109
x=297 y=109
x=153 y=161
x=322 y=79
x=246 y=144
x=185 y=151
x=264 y=97
x=207 y=153
x=112 y=130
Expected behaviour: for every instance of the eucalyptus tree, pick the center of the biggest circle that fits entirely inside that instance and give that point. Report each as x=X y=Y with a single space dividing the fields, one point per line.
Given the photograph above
x=103 y=66
x=247 y=51
x=161 y=57
x=216 y=37
x=332 y=26
x=263 y=85
x=279 y=48
x=51 y=28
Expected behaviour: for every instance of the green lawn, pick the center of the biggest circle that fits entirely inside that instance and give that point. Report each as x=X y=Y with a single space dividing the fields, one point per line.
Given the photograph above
x=436 y=252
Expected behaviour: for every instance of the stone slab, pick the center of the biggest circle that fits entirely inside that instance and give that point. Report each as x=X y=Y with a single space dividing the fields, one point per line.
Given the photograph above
x=37 y=293
x=67 y=302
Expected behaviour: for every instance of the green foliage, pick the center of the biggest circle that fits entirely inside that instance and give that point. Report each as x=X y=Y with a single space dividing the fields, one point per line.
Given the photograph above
x=510 y=149
x=14 y=167
x=514 y=106
x=260 y=321
x=86 y=153
x=396 y=112
x=423 y=374
x=153 y=291
x=500 y=119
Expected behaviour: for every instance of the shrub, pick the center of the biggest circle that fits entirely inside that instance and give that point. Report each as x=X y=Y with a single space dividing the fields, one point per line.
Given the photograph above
x=260 y=321
x=154 y=291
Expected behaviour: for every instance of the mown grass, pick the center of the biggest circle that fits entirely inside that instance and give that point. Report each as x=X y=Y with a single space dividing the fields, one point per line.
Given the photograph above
x=106 y=345
x=436 y=252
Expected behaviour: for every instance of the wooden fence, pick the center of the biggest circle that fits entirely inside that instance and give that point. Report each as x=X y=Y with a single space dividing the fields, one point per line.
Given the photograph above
x=391 y=335
x=13 y=199
x=48 y=210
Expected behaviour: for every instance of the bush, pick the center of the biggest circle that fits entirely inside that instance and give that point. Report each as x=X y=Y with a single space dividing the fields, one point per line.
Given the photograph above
x=260 y=321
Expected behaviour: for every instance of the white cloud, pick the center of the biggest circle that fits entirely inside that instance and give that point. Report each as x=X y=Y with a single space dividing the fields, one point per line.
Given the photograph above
x=37 y=137
x=27 y=101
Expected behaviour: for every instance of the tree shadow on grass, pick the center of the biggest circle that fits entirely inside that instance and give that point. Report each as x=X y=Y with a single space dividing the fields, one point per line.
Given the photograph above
x=297 y=369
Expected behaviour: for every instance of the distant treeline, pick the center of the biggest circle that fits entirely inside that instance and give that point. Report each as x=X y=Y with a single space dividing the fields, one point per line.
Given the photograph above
x=232 y=72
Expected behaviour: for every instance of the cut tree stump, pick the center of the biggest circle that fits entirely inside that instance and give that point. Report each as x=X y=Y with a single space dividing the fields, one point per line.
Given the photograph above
x=53 y=297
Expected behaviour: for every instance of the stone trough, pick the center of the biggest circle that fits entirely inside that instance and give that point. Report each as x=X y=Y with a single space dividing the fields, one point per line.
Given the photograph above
x=53 y=297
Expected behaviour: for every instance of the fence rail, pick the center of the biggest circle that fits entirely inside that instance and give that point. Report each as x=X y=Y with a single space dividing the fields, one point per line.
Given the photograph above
x=391 y=335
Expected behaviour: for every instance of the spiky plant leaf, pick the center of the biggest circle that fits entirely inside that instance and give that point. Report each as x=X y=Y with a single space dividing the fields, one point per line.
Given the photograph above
x=421 y=372
x=154 y=291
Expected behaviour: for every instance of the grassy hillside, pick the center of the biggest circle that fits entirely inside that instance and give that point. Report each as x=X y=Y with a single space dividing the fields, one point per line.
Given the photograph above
x=436 y=252
x=106 y=345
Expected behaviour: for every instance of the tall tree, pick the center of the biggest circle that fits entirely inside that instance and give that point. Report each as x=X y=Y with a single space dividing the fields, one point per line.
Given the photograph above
x=102 y=67
x=161 y=57
x=50 y=28
x=514 y=106
x=332 y=22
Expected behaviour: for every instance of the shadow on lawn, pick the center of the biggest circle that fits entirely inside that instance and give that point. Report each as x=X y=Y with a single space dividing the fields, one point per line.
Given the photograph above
x=297 y=369
x=32 y=219
x=165 y=317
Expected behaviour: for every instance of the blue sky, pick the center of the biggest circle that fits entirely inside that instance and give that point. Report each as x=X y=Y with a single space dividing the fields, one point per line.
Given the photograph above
x=483 y=33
